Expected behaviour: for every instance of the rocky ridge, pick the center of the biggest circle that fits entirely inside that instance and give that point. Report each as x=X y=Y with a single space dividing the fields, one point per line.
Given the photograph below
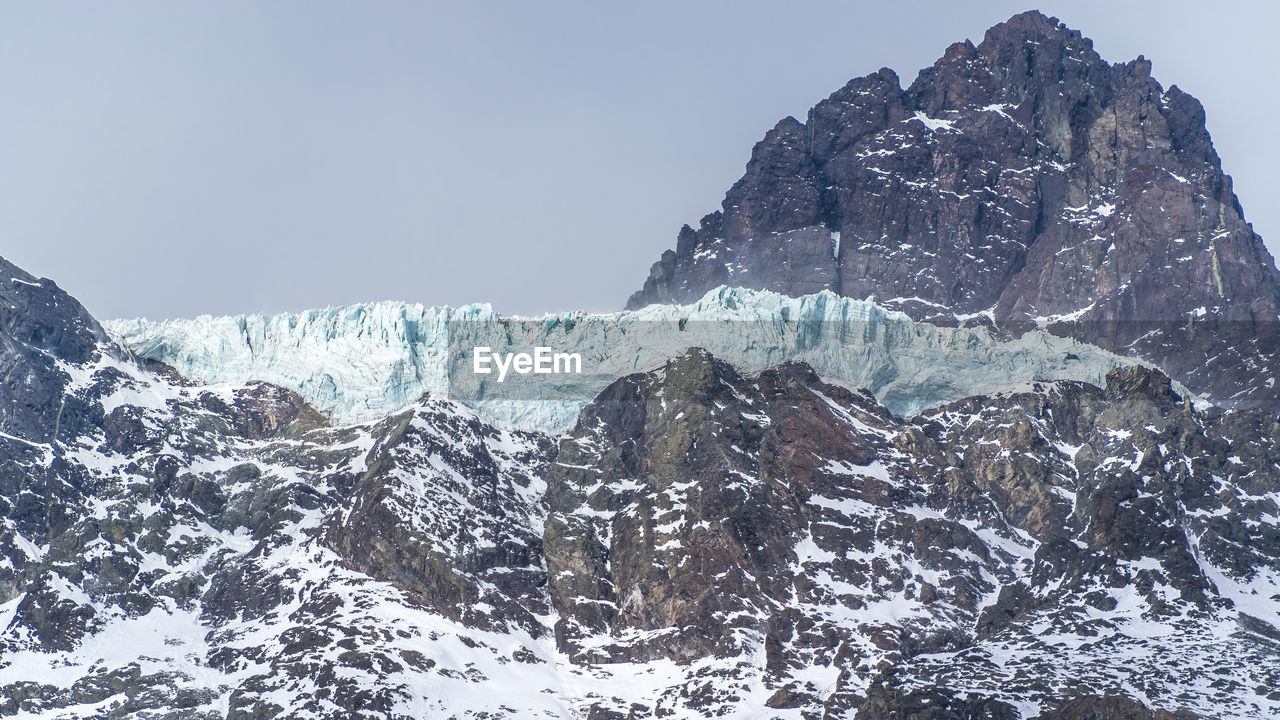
x=800 y=548
x=195 y=551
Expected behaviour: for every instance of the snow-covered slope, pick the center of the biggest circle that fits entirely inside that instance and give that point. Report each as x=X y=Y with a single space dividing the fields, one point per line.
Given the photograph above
x=701 y=543
x=363 y=361
x=219 y=551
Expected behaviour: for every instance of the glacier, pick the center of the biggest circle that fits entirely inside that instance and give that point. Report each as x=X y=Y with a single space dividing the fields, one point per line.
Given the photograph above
x=364 y=361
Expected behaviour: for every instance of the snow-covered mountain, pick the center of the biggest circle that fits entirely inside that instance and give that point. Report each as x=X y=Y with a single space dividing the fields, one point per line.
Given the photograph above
x=363 y=361
x=751 y=505
x=701 y=542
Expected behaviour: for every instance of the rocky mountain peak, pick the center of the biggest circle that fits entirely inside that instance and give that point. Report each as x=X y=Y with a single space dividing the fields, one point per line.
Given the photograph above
x=35 y=312
x=1022 y=182
x=1020 y=59
x=43 y=331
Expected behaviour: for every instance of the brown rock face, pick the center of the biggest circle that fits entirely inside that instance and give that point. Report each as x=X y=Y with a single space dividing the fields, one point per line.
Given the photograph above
x=1023 y=178
x=1102 y=707
x=938 y=567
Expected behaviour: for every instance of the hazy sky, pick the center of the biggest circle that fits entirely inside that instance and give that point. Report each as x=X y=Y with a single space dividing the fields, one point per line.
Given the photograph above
x=179 y=158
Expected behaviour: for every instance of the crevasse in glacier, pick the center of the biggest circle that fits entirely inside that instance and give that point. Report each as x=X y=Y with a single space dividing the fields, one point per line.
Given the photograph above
x=363 y=361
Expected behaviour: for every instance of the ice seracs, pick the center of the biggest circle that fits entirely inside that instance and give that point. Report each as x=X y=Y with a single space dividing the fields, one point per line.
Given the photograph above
x=364 y=361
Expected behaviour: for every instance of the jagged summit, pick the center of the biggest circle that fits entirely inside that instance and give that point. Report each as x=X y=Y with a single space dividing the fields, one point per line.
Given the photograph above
x=1023 y=181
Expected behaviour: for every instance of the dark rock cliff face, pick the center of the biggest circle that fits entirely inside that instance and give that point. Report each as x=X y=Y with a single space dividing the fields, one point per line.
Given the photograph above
x=1022 y=181
x=42 y=331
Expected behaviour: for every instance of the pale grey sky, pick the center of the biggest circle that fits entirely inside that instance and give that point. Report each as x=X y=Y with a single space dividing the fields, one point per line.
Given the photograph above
x=179 y=158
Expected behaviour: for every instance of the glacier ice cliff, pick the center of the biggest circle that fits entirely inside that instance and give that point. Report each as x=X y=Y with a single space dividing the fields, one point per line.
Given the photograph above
x=364 y=361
